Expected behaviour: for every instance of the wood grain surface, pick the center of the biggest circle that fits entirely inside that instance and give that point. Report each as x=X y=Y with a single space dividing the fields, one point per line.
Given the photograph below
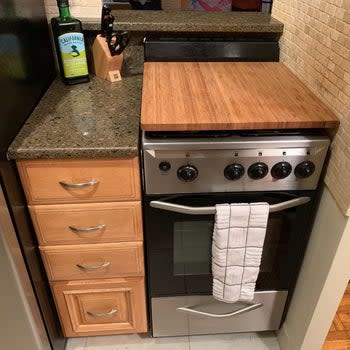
x=339 y=334
x=61 y=262
x=182 y=96
x=74 y=299
x=122 y=220
x=118 y=180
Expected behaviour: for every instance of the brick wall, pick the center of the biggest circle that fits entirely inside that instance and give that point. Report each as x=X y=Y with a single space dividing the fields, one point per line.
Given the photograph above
x=79 y=8
x=316 y=47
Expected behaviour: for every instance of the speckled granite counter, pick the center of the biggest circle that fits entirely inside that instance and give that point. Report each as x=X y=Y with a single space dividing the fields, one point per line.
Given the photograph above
x=100 y=119
x=97 y=119
x=189 y=21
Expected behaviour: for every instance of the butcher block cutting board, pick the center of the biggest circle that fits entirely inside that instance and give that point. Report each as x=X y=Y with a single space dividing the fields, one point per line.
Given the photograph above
x=182 y=96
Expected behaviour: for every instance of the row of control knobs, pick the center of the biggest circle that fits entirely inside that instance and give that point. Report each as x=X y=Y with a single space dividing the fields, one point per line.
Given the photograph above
x=256 y=171
x=279 y=171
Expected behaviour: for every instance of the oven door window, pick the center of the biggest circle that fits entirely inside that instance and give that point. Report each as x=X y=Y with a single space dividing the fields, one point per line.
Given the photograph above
x=192 y=247
x=179 y=245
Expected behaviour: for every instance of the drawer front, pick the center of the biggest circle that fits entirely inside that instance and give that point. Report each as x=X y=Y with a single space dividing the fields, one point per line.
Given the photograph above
x=101 y=307
x=93 y=261
x=87 y=223
x=74 y=181
x=236 y=317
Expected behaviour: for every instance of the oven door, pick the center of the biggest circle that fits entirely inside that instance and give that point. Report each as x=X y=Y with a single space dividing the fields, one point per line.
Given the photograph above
x=178 y=237
x=179 y=229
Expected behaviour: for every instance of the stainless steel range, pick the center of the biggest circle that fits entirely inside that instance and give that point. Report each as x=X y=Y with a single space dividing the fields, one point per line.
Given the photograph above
x=185 y=175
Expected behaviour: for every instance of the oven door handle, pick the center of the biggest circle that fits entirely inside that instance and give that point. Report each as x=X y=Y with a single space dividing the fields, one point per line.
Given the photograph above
x=184 y=209
x=249 y=307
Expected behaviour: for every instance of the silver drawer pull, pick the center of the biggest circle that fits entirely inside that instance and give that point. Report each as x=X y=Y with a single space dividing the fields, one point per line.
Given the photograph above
x=93 y=267
x=103 y=314
x=79 y=185
x=77 y=229
x=243 y=310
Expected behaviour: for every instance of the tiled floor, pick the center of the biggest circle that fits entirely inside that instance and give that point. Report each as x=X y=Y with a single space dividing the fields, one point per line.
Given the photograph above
x=339 y=335
x=242 y=341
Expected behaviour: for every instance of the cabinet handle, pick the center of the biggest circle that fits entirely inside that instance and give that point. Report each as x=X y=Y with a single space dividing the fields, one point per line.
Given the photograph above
x=103 y=314
x=93 y=267
x=67 y=185
x=77 y=229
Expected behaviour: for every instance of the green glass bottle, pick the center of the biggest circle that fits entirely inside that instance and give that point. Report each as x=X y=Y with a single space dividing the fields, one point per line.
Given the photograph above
x=70 y=46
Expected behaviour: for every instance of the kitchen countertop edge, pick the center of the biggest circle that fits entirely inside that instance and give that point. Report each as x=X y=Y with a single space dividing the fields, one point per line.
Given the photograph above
x=185 y=21
x=79 y=122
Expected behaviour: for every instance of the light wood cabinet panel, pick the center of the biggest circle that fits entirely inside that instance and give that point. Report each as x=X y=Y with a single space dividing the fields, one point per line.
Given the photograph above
x=91 y=261
x=101 y=307
x=79 y=181
x=102 y=222
x=88 y=220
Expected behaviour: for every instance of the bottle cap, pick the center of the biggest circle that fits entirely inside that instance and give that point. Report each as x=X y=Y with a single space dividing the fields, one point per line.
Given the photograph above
x=62 y=3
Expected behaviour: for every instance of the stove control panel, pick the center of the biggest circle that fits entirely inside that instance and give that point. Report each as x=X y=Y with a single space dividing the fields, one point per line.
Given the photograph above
x=233 y=164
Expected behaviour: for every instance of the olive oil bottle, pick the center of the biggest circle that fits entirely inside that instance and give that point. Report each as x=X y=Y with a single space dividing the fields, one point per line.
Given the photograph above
x=70 y=46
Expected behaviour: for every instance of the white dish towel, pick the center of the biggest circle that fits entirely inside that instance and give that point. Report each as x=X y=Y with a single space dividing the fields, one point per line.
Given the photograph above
x=238 y=240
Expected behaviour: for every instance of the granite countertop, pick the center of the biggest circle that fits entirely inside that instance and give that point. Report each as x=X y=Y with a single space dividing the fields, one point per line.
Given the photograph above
x=190 y=21
x=96 y=119
x=99 y=119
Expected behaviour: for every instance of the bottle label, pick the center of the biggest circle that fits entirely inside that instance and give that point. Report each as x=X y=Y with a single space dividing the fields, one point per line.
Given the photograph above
x=73 y=54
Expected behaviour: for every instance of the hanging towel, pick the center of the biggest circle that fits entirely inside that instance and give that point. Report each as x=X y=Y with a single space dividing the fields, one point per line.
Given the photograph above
x=238 y=240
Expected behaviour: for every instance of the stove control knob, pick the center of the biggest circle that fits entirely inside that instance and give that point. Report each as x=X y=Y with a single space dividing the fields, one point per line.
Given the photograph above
x=304 y=169
x=234 y=171
x=281 y=170
x=187 y=173
x=164 y=166
x=258 y=171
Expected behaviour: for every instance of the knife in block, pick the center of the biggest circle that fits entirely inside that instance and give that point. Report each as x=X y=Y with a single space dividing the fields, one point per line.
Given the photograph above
x=105 y=65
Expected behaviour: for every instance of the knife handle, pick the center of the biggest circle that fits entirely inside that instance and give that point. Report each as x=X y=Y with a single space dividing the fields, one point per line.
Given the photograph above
x=117 y=41
x=106 y=20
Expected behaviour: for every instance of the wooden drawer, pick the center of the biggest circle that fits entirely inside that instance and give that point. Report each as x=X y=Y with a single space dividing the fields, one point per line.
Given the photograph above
x=87 y=223
x=78 y=181
x=93 y=261
x=101 y=307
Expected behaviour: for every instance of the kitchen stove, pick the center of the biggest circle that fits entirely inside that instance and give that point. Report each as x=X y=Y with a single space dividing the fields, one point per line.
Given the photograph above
x=185 y=174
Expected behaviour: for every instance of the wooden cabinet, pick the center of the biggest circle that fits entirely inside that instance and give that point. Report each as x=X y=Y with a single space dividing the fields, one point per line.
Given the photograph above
x=80 y=181
x=87 y=217
x=87 y=223
x=93 y=261
x=101 y=307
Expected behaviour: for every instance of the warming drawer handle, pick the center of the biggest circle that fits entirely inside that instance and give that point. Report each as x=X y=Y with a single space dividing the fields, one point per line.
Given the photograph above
x=77 y=229
x=90 y=183
x=103 y=314
x=93 y=267
x=184 y=209
x=243 y=310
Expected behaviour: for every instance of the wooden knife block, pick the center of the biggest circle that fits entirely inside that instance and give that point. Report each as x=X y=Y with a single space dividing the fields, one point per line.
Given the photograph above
x=105 y=65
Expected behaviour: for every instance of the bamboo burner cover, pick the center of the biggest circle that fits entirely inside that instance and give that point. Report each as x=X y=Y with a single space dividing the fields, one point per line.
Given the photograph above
x=179 y=96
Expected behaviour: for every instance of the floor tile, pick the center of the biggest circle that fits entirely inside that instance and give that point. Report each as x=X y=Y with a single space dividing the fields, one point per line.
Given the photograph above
x=136 y=342
x=76 y=343
x=238 y=341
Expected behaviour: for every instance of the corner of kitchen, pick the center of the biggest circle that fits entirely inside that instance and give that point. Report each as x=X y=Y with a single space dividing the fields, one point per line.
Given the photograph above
x=174 y=175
